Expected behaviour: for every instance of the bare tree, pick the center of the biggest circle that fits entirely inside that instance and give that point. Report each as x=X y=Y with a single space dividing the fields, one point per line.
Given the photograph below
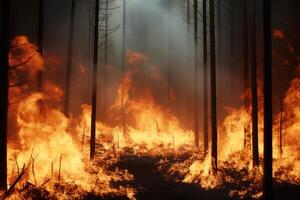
x=40 y=43
x=205 y=79
x=106 y=39
x=123 y=64
x=255 y=152
x=69 y=59
x=214 y=130
x=95 y=81
x=268 y=119
x=196 y=95
x=246 y=72
x=4 y=83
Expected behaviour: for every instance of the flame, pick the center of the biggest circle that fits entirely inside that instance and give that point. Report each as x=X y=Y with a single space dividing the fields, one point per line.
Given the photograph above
x=48 y=151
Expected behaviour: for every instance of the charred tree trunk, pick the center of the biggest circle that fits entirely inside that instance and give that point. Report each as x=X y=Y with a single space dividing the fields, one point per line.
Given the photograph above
x=255 y=151
x=40 y=43
x=246 y=73
x=196 y=74
x=214 y=130
x=232 y=44
x=105 y=60
x=95 y=81
x=69 y=60
x=268 y=132
x=4 y=82
x=205 y=81
x=123 y=65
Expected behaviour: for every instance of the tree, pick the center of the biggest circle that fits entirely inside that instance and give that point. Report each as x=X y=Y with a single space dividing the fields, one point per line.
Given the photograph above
x=105 y=58
x=95 y=81
x=255 y=152
x=214 y=130
x=69 y=59
x=205 y=81
x=4 y=84
x=268 y=119
x=40 y=43
x=123 y=64
x=196 y=95
x=246 y=72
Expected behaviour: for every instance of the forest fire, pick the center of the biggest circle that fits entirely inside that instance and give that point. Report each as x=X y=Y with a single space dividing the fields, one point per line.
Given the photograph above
x=124 y=107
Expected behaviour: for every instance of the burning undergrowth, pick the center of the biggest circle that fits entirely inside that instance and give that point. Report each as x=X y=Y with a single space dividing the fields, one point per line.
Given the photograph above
x=46 y=160
x=49 y=158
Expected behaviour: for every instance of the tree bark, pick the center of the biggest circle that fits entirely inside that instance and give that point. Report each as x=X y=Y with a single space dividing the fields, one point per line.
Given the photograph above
x=214 y=130
x=4 y=82
x=205 y=80
x=246 y=73
x=123 y=65
x=105 y=60
x=95 y=82
x=268 y=132
x=255 y=150
x=69 y=60
x=40 y=43
x=196 y=95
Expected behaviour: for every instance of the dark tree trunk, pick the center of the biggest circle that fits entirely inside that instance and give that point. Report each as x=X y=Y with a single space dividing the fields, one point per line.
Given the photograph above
x=205 y=81
x=169 y=53
x=268 y=132
x=123 y=65
x=69 y=60
x=196 y=74
x=255 y=152
x=105 y=61
x=4 y=82
x=232 y=45
x=214 y=130
x=95 y=82
x=40 y=43
x=246 y=73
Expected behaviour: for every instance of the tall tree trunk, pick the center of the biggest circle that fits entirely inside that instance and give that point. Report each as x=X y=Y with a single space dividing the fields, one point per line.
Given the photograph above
x=214 y=130
x=205 y=80
x=196 y=95
x=4 y=82
x=232 y=45
x=255 y=152
x=246 y=73
x=268 y=132
x=40 y=43
x=123 y=65
x=69 y=60
x=188 y=57
x=105 y=60
x=95 y=81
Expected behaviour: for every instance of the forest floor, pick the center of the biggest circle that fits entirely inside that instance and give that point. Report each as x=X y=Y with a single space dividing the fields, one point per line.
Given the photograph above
x=151 y=185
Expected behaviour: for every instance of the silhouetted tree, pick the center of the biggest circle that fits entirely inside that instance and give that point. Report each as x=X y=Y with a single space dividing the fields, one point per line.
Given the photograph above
x=268 y=120
x=214 y=130
x=4 y=83
x=123 y=64
x=40 y=43
x=196 y=95
x=246 y=71
x=69 y=59
x=205 y=79
x=95 y=81
x=255 y=152
x=105 y=57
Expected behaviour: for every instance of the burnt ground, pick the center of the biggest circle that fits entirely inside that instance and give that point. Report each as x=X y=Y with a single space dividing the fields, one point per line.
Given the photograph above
x=153 y=186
